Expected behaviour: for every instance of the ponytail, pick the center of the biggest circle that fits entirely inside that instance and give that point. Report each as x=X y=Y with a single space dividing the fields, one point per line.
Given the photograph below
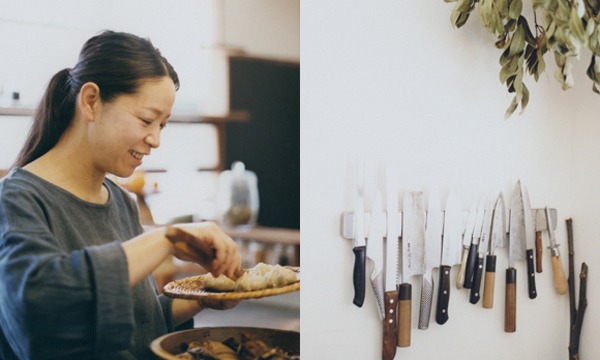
x=117 y=62
x=52 y=117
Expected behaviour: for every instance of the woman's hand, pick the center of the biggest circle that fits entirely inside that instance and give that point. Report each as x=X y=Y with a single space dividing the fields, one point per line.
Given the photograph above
x=206 y=244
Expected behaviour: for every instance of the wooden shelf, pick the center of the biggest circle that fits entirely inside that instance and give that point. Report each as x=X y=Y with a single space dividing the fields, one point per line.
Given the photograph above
x=181 y=118
x=16 y=111
x=233 y=116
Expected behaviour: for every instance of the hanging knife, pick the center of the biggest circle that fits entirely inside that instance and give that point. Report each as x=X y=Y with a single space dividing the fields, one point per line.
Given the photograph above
x=375 y=250
x=482 y=252
x=472 y=259
x=560 y=281
x=466 y=243
x=516 y=252
x=433 y=253
x=413 y=262
x=392 y=254
x=360 y=248
x=498 y=240
x=453 y=229
x=530 y=245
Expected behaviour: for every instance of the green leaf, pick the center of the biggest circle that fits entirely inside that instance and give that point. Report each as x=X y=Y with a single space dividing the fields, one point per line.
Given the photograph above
x=524 y=98
x=511 y=109
x=595 y=89
x=515 y=8
x=576 y=26
x=517 y=43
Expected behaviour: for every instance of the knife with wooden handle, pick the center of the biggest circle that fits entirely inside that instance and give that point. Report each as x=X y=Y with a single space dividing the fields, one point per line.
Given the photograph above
x=498 y=240
x=392 y=266
x=538 y=251
x=433 y=252
x=516 y=252
x=413 y=261
x=482 y=251
x=466 y=243
x=558 y=274
x=451 y=244
x=472 y=261
x=530 y=245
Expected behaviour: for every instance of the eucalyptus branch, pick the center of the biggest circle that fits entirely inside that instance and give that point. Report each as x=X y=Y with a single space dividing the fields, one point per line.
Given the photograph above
x=565 y=33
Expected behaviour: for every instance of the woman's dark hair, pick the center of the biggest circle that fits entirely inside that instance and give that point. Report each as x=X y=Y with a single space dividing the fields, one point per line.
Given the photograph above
x=117 y=62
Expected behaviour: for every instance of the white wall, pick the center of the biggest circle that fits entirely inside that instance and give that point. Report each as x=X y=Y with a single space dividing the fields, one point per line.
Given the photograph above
x=393 y=82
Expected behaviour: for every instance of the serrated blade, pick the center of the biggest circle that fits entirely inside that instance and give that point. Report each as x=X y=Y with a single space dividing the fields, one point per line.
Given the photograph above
x=375 y=249
x=392 y=253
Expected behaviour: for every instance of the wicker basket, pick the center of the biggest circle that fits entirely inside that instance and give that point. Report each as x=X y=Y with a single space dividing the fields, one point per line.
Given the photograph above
x=193 y=288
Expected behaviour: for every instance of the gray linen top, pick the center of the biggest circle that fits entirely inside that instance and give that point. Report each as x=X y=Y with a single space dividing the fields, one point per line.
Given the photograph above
x=64 y=289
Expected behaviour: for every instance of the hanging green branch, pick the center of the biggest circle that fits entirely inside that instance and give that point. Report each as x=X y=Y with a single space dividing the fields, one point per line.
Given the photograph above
x=569 y=26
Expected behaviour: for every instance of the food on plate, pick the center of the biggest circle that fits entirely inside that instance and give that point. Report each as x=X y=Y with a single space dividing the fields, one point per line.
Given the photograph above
x=249 y=348
x=222 y=282
x=280 y=276
x=259 y=277
x=250 y=282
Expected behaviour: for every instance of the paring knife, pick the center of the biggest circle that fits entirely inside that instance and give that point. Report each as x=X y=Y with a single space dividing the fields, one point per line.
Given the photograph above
x=413 y=262
x=529 y=245
x=482 y=251
x=516 y=252
x=451 y=246
x=433 y=253
x=359 y=243
x=375 y=250
x=498 y=240
x=472 y=259
x=558 y=274
x=392 y=266
x=466 y=243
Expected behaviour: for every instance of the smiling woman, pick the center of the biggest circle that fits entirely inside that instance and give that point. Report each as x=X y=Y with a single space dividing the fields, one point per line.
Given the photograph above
x=75 y=264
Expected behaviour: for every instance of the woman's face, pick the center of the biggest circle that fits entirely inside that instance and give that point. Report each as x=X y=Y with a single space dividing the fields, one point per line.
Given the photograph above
x=128 y=127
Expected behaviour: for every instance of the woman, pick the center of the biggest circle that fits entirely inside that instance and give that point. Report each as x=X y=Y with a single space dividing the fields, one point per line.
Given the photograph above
x=75 y=266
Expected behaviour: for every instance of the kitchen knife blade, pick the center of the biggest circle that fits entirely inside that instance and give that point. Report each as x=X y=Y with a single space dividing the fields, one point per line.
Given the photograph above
x=558 y=274
x=433 y=253
x=516 y=252
x=392 y=263
x=529 y=245
x=466 y=243
x=482 y=251
x=375 y=250
x=413 y=262
x=359 y=243
x=451 y=248
x=498 y=240
x=472 y=259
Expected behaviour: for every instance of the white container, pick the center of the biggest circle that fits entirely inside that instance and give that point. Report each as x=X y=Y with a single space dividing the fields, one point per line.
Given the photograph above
x=237 y=199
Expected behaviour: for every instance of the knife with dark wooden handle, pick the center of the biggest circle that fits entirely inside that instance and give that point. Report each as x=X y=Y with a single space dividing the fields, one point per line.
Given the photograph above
x=530 y=274
x=490 y=281
x=510 y=311
x=404 y=314
x=390 y=336
x=470 y=266
x=476 y=286
x=443 y=299
x=529 y=244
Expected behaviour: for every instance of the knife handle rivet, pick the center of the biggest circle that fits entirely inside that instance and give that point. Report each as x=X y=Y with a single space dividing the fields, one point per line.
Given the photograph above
x=444 y=311
x=391 y=321
x=446 y=272
x=445 y=292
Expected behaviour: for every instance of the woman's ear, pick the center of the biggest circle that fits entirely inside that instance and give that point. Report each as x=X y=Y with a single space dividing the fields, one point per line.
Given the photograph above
x=89 y=100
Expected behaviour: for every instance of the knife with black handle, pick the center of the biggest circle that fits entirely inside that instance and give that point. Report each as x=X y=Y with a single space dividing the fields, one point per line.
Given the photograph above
x=360 y=247
x=359 y=274
x=472 y=260
x=530 y=245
